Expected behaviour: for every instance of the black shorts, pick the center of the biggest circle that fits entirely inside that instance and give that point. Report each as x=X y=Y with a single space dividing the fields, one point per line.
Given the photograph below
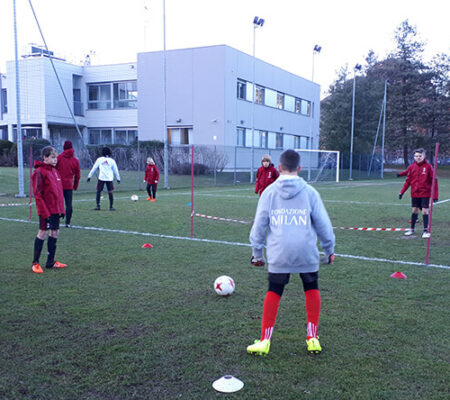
x=101 y=185
x=283 y=279
x=420 y=202
x=50 y=223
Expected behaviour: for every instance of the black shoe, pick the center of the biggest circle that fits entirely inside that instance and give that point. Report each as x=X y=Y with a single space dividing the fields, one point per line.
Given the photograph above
x=68 y=225
x=97 y=208
x=112 y=209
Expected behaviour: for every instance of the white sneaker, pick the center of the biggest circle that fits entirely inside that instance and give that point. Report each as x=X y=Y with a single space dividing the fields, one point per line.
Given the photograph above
x=426 y=235
x=409 y=232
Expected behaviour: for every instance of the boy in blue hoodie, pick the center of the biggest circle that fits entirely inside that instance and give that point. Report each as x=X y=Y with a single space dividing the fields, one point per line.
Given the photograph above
x=290 y=217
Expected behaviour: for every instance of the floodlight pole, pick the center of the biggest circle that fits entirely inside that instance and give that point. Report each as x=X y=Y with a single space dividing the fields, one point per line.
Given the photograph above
x=19 y=124
x=256 y=22
x=386 y=82
x=357 y=67
x=166 y=134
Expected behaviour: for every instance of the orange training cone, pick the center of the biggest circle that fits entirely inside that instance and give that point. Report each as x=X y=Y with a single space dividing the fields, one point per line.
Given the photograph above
x=398 y=275
x=147 y=246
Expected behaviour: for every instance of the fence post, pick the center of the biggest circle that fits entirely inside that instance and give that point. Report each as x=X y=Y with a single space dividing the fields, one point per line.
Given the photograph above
x=192 y=192
x=215 y=164
x=235 y=158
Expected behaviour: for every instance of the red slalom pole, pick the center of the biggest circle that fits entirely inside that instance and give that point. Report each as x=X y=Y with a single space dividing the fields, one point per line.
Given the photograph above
x=433 y=185
x=31 y=188
x=192 y=193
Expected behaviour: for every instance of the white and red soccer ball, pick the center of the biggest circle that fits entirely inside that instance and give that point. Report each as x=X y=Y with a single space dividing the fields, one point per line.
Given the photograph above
x=224 y=285
x=134 y=197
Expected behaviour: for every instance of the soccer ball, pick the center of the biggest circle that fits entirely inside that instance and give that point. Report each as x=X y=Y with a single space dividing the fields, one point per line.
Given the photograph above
x=134 y=197
x=224 y=285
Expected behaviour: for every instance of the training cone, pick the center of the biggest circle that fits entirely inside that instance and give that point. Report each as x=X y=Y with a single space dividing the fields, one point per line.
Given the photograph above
x=228 y=384
x=398 y=275
x=147 y=246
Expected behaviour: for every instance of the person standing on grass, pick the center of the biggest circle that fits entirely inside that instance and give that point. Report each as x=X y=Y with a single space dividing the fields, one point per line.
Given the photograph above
x=419 y=176
x=266 y=175
x=48 y=194
x=68 y=167
x=108 y=168
x=290 y=217
x=152 y=178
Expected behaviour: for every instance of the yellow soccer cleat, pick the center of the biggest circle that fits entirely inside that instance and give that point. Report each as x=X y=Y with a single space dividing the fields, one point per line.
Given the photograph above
x=260 y=348
x=313 y=345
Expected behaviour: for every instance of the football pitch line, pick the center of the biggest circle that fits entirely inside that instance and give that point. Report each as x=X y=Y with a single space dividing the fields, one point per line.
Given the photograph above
x=120 y=231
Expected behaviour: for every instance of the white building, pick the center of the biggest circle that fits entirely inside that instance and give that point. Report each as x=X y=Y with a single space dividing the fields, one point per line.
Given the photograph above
x=208 y=92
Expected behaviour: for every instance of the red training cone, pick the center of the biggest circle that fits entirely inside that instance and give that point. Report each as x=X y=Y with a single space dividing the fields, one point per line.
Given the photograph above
x=398 y=275
x=147 y=246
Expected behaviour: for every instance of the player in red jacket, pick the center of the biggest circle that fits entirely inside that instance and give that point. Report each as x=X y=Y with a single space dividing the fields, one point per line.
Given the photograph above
x=48 y=193
x=420 y=178
x=69 y=168
x=152 y=178
x=266 y=175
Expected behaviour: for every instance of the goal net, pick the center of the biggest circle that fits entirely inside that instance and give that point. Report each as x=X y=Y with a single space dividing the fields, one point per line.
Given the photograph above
x=319 y=165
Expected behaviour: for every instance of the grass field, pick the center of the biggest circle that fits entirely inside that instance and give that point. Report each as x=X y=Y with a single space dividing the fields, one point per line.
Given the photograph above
x=122 y=322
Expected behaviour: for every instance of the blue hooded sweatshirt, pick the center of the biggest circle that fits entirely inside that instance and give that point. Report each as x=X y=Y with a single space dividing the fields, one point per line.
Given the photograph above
x=292 y=215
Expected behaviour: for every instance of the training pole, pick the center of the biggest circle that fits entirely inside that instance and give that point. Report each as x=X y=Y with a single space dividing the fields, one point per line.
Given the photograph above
x=433 y=187
x=192 y=192
x=31 y=186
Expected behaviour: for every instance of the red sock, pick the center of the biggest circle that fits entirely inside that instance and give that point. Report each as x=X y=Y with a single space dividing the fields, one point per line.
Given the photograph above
x=270 y=311
x=312 y=300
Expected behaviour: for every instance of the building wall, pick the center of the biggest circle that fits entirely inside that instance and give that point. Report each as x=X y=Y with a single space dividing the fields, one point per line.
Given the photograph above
x=114 y=118
x=201 y=92
x=195 y=93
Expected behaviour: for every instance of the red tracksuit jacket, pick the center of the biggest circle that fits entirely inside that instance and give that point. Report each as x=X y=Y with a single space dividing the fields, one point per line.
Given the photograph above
x=151 y=174
x=69 y=168
x=47 y=189
x=265 y=177
x=420 y=178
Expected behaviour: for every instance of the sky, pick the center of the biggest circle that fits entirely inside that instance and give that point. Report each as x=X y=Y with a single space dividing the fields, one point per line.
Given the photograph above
x=116 y=30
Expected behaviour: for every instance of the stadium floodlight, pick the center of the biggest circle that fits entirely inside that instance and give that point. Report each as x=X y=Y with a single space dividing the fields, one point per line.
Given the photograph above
x=316 y=50
x=257 y=22
x=357 y=68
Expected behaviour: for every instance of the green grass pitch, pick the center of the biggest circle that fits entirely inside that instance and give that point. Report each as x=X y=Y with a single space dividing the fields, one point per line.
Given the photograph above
x=123 y=322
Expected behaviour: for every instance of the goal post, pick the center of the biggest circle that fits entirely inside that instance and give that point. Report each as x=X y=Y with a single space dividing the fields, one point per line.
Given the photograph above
x=320 y=165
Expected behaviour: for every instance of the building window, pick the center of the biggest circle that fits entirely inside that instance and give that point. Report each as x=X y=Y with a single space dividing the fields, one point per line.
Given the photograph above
x=242 y=90
x=271 y=140
x=298 y=105
x=297 y=142
x=279 y=141
x=289 y=103
x=125 y=136
x=306 y=108
x=112 y=136
x=99 y=97
x=270 y=98
x=248 y=137
x=4 y=101
x=180 y=136
x=259 y=95
x=263 y=139
x=240 y=137
x=125 y=94
x=280 y=100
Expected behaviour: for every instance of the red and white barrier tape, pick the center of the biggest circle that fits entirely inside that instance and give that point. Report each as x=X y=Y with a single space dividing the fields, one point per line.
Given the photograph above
x=221 y=219
x=378 y=229
x=13 y=204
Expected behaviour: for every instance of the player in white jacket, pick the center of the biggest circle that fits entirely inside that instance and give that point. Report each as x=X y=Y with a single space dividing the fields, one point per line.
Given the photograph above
x=108 y=168
x=289 y=219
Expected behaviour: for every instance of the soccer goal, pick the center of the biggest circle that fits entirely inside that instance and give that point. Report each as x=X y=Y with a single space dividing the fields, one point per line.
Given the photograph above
x=319 y=165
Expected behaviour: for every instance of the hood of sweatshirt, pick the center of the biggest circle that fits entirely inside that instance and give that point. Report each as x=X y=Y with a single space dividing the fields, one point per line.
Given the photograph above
x=38 y=163
x=289 y=186
x=67 y=153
